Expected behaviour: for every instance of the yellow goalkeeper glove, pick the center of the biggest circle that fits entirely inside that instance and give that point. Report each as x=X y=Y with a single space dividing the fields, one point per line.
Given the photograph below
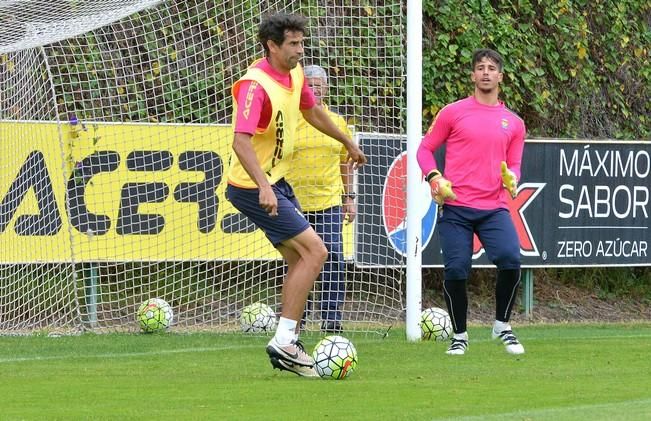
x=509 y=180
x=441 y=189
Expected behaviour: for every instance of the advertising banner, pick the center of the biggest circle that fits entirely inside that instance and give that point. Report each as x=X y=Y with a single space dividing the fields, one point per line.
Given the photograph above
x=579 y=203
x=125 y=192
x=120 y=192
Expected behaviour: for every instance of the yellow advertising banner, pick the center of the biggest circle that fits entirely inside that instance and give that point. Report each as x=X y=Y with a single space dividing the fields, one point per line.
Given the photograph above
x=121 y=192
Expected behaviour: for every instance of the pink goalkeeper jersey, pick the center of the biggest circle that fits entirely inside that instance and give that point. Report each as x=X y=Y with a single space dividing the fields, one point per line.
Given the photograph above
x=477 y=139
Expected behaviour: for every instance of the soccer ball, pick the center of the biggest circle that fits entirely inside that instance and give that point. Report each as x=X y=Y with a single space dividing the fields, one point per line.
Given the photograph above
x=154 y=315
x=257 y=318
x=435 y=324
x=335 y=357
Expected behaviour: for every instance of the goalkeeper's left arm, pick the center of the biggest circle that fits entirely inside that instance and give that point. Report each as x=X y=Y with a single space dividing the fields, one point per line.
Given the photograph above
x=510 y=167
x=509 y=180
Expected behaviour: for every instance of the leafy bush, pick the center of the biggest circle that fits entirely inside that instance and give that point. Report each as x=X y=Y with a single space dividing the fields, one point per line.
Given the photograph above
x=573 y=69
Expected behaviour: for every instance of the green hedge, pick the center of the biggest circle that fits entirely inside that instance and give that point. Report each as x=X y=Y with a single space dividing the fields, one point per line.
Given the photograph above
x=177 y=63
x=574 y=68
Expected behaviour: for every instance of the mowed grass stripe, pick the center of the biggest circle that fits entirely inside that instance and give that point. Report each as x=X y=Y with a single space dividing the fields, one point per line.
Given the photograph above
x=621 y=410
x=128 y=354
x=228 y=376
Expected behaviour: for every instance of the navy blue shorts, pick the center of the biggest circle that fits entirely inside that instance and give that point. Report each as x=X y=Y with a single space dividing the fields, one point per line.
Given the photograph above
x=495 y=230
x=287 y=224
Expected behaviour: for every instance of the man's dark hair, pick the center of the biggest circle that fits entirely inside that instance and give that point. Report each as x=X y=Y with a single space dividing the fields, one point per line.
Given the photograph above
x=492 y=55
x=273 y=28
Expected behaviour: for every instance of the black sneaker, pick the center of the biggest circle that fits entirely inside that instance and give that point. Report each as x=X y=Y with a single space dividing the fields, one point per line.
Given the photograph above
x=291 y=357
x=300 y=370
x=331 y=326
x=457 y=346
x=511 y=343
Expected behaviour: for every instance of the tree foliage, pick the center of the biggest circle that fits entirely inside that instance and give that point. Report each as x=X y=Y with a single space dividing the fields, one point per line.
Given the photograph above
x=177 y=63
x=573 y=68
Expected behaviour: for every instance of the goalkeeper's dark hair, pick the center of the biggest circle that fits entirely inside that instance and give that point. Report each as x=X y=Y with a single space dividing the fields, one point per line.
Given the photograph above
x=492 y=55
x=273 y=28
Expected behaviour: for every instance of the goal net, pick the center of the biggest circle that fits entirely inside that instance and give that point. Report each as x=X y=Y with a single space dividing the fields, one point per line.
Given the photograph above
x=115 y=135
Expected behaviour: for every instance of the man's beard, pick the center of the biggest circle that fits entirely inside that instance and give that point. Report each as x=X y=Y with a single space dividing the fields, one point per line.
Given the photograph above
x=292 y=64
x=487 y=91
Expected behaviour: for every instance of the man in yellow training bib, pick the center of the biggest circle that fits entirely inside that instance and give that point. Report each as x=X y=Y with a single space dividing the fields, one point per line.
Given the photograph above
x=267 y=103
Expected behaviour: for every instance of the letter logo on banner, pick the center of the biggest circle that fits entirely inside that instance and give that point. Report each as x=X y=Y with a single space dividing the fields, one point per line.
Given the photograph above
x=142 y=192
x=32 y=176
x=527 y=192
x=394 y=206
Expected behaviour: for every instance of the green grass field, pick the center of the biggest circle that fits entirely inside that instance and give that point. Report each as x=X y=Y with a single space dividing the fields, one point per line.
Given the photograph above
x=570 y=372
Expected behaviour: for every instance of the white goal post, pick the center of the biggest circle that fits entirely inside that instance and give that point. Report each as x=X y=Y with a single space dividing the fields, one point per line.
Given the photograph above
x=114 y=129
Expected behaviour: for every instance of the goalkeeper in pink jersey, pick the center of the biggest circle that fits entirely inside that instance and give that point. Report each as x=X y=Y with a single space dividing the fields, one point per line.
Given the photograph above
x=483 y=142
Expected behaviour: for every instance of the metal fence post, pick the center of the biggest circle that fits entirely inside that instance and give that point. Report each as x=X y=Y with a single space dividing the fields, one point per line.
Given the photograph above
x=527 y=292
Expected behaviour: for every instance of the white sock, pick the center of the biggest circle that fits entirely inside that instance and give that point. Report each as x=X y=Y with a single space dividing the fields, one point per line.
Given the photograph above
x=285 y=332
x=462 y=335
x=499 y=327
